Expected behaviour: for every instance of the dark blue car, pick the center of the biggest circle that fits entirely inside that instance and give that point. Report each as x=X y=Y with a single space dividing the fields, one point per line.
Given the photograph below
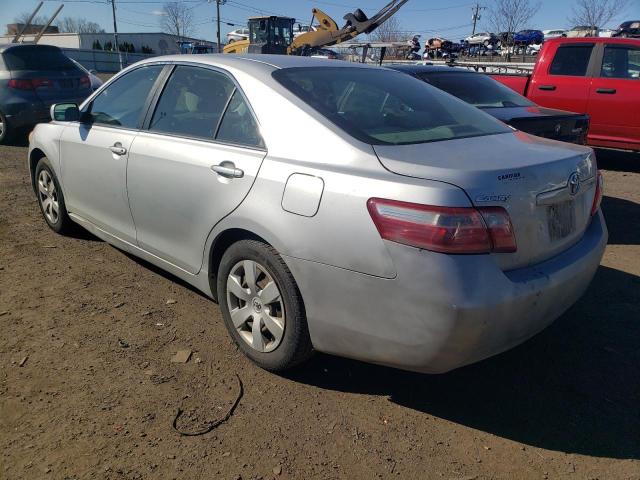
x=32 y=78
x=528 y=37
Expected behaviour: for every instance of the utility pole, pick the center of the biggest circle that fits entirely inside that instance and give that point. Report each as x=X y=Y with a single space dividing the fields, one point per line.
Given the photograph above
x=115 y=32
x=218 y=3
x=476 y=16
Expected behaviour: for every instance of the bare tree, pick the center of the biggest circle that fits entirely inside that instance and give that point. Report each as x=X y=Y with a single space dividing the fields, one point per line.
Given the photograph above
x=596 y=13
x=37 y=20
x=389 y=31
x=177 y=19
x=78 y=25
x=511 y=15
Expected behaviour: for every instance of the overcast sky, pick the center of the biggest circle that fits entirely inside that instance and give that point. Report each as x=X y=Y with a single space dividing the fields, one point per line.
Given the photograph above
x=449 y=19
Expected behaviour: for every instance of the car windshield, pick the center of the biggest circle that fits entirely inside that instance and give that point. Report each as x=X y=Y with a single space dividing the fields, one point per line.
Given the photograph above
x=37 y=57
x=475 y=88
x=382 y=107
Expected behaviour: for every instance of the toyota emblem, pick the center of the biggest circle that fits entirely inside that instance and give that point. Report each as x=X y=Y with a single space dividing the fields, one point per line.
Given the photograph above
x=574 y=183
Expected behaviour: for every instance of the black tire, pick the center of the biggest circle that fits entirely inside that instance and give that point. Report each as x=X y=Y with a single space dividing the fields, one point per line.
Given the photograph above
x=295 y=346
x=62 y=223
x=6 y=131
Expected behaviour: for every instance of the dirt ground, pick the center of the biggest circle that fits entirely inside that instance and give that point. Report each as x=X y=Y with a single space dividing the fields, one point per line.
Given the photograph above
x=87 y=388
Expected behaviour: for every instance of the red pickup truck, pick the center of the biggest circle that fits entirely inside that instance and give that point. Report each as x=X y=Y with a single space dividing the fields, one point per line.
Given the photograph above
x=596 y=76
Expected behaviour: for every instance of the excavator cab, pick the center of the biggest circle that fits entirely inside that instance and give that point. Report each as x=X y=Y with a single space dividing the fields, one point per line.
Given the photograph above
x=270 y=34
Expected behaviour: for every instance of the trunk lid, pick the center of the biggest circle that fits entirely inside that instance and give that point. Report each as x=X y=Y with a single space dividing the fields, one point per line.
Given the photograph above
x=545 y=122
x=63 y=85
x=534 y=179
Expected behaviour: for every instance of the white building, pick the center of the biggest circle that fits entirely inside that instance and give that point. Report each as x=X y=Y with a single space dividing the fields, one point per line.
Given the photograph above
x=160 y=43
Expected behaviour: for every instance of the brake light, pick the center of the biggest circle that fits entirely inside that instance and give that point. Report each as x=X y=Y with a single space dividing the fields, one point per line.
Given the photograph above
x=29 y=84
x=597 y=198
x=443 y=229
x=85 y=81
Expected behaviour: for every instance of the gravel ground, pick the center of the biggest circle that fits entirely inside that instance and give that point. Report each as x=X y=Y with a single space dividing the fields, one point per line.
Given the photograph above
x=87 y=388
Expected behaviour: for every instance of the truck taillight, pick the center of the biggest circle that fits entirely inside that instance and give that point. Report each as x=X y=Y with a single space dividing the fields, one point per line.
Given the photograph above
x=597 y=198
x=443 y=229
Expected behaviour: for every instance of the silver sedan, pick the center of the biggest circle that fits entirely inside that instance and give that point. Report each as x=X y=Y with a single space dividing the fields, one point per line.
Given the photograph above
x=338 y=208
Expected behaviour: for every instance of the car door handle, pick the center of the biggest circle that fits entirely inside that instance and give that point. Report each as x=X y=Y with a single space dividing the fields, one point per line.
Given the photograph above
x=118 y=149
x=227 y=169
x=609 y=91
x=547 y=87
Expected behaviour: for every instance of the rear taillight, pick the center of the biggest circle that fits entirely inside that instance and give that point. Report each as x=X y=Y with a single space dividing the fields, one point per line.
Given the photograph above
x=597 y=198
x=29 y=84
x=443 y=229
x=85 y=81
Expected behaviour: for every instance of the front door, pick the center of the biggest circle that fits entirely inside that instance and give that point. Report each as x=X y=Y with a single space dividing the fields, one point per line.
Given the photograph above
x=193 y=164
x=614 y=99
x=94 y=153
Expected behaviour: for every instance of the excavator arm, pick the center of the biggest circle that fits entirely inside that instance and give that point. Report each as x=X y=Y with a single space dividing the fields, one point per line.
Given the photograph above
x=328 y=33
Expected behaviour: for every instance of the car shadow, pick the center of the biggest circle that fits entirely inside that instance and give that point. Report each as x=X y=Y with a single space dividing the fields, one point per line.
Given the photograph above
x=573 y=388
x=622 y=220
x=618 y=161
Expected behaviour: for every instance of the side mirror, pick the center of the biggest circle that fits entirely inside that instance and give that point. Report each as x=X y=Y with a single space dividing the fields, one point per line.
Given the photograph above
x=64 y=112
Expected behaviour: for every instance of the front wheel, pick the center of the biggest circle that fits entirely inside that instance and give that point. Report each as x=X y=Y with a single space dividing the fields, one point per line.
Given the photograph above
x=262 y=306
x=50 y=198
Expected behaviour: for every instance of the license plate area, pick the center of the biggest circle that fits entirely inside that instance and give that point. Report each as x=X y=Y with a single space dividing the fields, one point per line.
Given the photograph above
x=561 y=220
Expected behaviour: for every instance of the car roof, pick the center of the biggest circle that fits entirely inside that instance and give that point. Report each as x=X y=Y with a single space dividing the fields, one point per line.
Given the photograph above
x=417 y=68
x=257 y=61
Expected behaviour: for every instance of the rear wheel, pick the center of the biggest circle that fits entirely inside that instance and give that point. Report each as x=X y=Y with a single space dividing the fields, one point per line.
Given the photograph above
x=262 y=307
x=50 y=198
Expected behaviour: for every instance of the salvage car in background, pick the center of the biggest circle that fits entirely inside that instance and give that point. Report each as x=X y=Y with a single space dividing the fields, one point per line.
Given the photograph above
x=549 y=34
x=599 y=77
x=32 y=78
x=424 y=234
x=481 y=38
x=503 y=103
x=628 y=30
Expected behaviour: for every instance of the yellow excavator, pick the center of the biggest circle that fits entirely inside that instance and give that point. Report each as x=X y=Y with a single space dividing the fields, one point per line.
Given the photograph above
x=275 y=34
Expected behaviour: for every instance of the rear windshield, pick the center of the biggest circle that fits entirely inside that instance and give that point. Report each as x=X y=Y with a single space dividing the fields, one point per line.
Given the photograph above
x=383 y=107
x=477 y=89
x=36 y=57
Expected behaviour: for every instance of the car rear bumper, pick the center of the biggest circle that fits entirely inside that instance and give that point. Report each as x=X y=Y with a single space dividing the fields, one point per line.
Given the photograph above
x=442 y=311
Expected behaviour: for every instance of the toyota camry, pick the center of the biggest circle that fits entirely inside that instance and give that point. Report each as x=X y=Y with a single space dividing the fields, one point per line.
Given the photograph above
x=339 y=208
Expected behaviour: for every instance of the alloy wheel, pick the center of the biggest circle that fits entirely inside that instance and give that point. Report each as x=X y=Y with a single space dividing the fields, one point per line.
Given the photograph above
x=255 y=306
x=48 y=196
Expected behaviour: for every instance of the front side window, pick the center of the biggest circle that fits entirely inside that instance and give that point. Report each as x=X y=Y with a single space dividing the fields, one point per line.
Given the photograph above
x=571 y=60
x=476 y=89
x=121 y=104
x=621 y=62
x=382 y=107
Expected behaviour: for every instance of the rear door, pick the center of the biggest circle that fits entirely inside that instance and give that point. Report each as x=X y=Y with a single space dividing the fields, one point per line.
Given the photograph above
x=193 y=164
x=564 y=83
x=95 y=151
x=614 y=99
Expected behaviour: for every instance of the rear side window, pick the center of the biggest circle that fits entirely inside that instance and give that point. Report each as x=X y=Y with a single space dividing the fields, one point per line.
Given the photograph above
x=238 y=125
x=122 y=102
x=383 y=107
x=621 y=62
x=202 y=103
x=571 y=60
x=36 y=57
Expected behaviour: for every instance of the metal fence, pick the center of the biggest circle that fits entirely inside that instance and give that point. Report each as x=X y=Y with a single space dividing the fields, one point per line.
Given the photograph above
x=104 y=61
